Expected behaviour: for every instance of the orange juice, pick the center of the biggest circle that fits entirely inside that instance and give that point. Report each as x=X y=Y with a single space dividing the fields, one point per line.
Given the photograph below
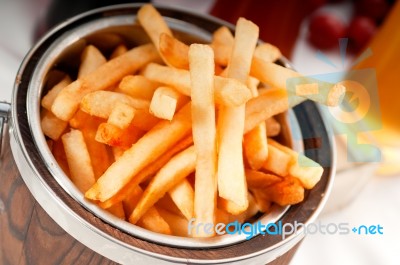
x=385 y=60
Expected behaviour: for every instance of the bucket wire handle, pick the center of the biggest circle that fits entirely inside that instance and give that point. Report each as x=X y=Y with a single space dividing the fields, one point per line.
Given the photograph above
x=4 y=115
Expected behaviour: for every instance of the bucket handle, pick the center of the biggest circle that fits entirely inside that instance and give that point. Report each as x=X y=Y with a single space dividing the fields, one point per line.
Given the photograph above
x=4 y=116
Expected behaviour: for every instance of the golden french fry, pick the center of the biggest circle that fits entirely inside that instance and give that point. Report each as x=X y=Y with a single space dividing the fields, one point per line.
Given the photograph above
x=178 y=224
x=183 y=197
x=121 y=49
x=67 y=101
x=153 y=221
x=117 y=210
x=231 y=179
x=121 y=116
x=262 y=199
x=228 y=91
x=165 y=102
x=48 y=99
x=273 y=127
x=267 y=52
x=253 y=209
x=151 y=146
x=147 y=172
x=78 y=158
x=143 y=120
x=201 y=61
x=60 y=156
x=97 y=151
x=52 y=126
x=255 y=146
x=230 y=207
x=222 y=44
x=316 y=90
x=130 y=201
x=301 y=167
x=138 y=86
x=271 y=102
x=170 y=175
x=278 y=161
x=153 y=23
x=173 y=51
x=259 y=180
x=101 y=103
x=287 y=192
x=91 y=59
x=255 y=142
x=112 y=135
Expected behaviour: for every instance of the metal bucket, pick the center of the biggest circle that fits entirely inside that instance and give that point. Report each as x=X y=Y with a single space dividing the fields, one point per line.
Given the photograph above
x=97 y=229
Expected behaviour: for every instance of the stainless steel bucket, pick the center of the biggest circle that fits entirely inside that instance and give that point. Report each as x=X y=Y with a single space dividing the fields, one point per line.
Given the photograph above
x=102 y=232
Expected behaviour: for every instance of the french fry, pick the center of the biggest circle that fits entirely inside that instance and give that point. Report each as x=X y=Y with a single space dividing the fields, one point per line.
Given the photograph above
x=170 y=175
x=262 y=200
x=230 y=207
x=173 y=51
x=229 y=92
x=121 y=116
x=97 y=151
x=153 y=23
x=316 y=90
x=117 y=210
x=78 y=158
x=101 y=103
x=301 y=167
x=130 y=201
x=79 y=120
x=253 y=209
x=278 y=161
x=60 y=156
x=267 y=52
x=112 y=135
x=273 y=127
x=167 y=203
x=91 y=59
x=287 y=192
x=165 y=102
x=52 y=126
x=255 y=146
x=147 y=172
x=259 y=180
x=255 y=142
x=151 y=146
x=271 y=102
x=231 y=179
x=183 y=197
x=153 y=221
x=48 y=99
x=67 y=101
x=121 y=49
x=143 y=120
x=201 y=61
x=178 y=224
x=222 y=44
x=138 y=86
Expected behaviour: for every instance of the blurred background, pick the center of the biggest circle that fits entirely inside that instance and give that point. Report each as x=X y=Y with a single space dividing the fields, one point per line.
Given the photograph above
x=308 y=33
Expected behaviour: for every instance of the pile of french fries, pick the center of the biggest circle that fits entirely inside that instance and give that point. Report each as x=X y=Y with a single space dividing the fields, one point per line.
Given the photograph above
x=166 y=132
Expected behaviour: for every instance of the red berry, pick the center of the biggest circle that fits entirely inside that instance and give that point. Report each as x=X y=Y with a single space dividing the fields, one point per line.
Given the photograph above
x=325 y=30
x=360 y=31
x=375 y=9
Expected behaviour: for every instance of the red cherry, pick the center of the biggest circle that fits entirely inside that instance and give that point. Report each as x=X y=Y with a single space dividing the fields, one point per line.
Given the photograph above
x=360 y=31
x=325 y=30
x=375 y=9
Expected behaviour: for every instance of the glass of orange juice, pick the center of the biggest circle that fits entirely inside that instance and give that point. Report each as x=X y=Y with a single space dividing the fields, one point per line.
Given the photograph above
x=385 y=120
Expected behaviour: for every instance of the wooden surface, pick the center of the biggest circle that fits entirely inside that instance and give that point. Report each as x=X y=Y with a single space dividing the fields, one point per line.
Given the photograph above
x=29 y=236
